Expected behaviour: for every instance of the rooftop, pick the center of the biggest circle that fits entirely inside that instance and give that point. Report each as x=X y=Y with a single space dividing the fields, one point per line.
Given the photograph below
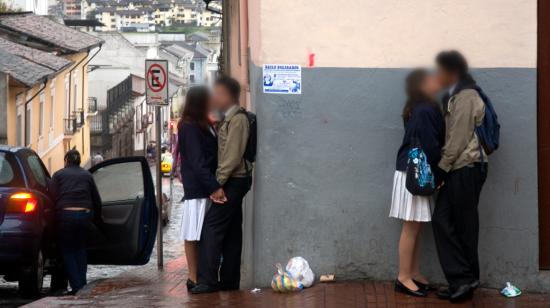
x=40 y=29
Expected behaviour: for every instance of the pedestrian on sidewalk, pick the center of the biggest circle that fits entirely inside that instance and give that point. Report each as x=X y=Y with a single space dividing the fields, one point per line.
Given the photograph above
x=222 y=230
x=424 y=123
x=464 y=165
x=77 y=201
x=198 y=149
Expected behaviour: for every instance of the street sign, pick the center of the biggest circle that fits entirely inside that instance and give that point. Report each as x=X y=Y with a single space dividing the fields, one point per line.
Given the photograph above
x=156 y=81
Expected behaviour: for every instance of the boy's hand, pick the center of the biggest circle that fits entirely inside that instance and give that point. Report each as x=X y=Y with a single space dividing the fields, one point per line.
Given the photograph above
x=218 y=196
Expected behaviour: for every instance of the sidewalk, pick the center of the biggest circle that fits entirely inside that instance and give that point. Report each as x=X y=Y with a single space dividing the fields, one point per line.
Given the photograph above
x=147 y=287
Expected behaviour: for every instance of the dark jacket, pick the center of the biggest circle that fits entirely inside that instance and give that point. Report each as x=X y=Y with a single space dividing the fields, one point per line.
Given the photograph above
x=426 y=121
x=199 y=160
x=74 y=186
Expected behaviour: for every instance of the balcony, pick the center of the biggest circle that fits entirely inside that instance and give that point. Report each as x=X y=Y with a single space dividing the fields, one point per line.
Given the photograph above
x=69 y=126
x=92 y=106
x=79 y=117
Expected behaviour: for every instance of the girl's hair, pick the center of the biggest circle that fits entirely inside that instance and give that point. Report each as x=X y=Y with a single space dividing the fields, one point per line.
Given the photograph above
x=196 y=107
x=415 y=95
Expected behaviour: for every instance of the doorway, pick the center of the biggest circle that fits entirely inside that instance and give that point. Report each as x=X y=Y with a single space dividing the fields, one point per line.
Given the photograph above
x=544 y=131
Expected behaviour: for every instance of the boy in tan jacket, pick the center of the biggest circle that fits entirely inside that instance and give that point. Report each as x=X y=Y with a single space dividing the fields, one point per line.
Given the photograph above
x=463 y=169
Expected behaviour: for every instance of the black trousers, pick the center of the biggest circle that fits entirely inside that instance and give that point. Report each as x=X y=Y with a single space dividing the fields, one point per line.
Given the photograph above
x=73 y=231
x=221 y=238
x=455 y=224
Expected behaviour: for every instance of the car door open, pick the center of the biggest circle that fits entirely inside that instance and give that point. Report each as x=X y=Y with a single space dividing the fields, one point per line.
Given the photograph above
x=126 y=234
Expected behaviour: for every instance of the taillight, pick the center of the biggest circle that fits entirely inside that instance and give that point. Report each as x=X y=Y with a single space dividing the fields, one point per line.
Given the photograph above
x=22 y=202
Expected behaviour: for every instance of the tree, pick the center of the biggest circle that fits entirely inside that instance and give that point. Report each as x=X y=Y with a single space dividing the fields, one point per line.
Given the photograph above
x=7 y=8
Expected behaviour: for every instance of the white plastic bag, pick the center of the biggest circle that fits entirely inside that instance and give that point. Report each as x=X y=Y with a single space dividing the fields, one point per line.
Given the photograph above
x=300 y=270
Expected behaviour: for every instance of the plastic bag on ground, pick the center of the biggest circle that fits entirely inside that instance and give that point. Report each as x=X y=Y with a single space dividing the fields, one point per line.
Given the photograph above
x=284 y=282
x=299 y=268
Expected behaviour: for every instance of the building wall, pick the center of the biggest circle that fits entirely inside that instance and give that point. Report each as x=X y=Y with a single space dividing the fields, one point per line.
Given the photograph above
x=326 y=158
x=53 y=142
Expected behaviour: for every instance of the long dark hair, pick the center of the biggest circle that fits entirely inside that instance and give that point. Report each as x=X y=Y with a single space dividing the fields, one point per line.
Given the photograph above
x=415 y=95
x=196 y=107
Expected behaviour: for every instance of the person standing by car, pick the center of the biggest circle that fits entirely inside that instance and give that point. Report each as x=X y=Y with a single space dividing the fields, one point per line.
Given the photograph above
x=198 y=149
x=76 y=202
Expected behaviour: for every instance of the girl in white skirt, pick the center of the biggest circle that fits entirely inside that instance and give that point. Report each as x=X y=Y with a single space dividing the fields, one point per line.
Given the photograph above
x=424 y=122
x=198 y=149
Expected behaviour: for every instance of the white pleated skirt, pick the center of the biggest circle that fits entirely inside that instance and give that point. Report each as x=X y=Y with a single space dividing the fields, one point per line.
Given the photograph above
x=406 y=206
x=192 y=219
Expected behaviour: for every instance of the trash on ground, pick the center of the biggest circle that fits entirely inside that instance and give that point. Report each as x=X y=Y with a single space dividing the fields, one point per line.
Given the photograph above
x=284 y=282
x=510 y=290
x=255 y=290
x=299 y=268
x=327 y=278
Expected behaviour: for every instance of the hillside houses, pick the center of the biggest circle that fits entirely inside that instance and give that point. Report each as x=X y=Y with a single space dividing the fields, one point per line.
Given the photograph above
x=148 y=15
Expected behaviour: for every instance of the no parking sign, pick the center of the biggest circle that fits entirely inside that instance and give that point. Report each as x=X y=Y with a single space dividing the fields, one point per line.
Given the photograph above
x=156 y=81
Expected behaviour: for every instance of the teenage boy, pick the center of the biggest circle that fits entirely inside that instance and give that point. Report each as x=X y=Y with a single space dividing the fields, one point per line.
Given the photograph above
x=463 y=169
x=221 y=238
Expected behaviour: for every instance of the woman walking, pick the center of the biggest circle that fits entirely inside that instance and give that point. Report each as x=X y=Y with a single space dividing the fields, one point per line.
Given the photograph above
x=424 y=123
x=198 y=149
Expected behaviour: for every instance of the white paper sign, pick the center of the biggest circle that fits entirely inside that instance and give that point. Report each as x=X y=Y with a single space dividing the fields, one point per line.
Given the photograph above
x=282 y=78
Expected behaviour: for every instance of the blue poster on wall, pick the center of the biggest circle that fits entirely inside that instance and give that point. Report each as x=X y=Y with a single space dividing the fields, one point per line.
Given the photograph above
x=282 y=79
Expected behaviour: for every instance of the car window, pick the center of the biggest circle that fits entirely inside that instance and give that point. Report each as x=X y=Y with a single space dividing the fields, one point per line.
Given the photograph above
x=118 y=182
x=10 y=175
x=36 y=170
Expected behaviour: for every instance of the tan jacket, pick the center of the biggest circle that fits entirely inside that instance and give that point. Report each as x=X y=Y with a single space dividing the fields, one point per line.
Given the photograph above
x=465 y=111
x=232 y=138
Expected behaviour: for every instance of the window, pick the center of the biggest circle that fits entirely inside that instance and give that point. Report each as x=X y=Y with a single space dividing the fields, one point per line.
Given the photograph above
x=37 y=170
x=75 y=102
x=192 y=78
x=41 y=116
x=121 y=181
x=67 y=98
x=10 y=176
x=192 y=66
x=52 y=107
x=28 y=121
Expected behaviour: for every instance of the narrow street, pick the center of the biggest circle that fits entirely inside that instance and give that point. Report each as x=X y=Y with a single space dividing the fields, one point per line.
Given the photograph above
x=9 y=296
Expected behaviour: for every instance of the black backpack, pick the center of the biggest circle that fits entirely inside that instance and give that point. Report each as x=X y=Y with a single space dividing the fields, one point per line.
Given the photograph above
x=250 y=151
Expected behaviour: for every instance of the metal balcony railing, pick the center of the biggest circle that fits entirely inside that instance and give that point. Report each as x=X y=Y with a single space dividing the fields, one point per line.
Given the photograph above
x=92 y=104
x=69 y=126
x=79 y=117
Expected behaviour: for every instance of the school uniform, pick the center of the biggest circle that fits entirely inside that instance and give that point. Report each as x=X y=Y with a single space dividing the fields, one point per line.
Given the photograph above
x=198 y=149
x=221 y=240
x=464 y=163
x=425 y=123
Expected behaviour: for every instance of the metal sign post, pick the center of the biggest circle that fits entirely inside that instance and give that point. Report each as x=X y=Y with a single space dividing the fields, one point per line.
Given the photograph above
x=156 y=79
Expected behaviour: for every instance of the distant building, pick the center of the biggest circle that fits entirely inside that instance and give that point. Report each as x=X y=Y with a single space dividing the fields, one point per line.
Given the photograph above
x=43 y=89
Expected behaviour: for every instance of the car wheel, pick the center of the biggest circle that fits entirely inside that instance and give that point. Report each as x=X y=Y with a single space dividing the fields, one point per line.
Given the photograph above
x=31 y=277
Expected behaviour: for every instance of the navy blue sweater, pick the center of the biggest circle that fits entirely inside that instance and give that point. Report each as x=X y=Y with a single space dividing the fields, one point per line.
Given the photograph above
x=199 y=160
x=426 y=121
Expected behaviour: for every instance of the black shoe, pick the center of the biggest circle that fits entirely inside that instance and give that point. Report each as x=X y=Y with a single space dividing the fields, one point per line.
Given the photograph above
x=399 y=287
x=444 y=293
x=463 y=292
x=424 y=286
x=202 y=288
x=190 y=284
x=475 y=284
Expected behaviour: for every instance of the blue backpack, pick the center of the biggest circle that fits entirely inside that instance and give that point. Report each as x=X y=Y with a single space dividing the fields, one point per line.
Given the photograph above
x=488 y=132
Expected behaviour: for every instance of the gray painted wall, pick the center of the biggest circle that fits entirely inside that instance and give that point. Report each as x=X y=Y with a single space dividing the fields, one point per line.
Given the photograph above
x=324 y=177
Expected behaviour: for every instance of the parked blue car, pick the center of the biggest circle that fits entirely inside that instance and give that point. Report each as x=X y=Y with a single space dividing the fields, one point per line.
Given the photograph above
x=124 y=235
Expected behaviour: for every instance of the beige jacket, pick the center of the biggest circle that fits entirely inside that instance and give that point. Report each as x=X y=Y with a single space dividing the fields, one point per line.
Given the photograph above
x=232 y=138
x=465 y=111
